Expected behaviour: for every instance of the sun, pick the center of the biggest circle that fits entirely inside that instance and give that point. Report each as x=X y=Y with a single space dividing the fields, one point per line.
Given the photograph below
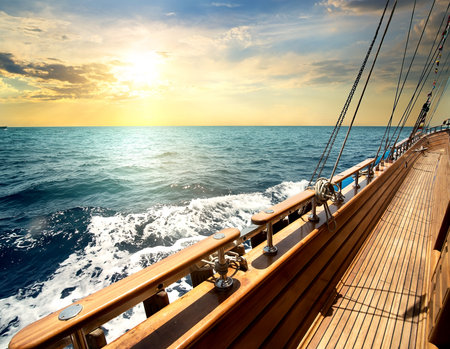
x=140 y=72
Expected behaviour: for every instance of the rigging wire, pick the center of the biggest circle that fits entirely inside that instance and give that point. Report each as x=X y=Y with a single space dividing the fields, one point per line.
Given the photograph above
x=403 y=119
x=326 y=152
x=426 y=106
x=439 y=101
x=424 y=74
x=364 y=90
x=397 y=92
x=415 y=97
x=445 y=73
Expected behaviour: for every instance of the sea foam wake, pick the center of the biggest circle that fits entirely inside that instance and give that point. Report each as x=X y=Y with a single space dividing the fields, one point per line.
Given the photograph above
x=121 y=244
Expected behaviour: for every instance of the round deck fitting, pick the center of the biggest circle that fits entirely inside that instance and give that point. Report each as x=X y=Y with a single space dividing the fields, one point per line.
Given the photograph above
x=224 y=284
x=218 y=236
x=270 y=250
x=269 y=211
x=70 y=312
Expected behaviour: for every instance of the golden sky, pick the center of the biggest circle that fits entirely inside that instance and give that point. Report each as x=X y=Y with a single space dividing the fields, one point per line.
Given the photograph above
x=190 y=62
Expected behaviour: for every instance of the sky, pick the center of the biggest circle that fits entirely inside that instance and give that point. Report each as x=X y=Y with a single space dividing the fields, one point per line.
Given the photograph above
x=223 y=62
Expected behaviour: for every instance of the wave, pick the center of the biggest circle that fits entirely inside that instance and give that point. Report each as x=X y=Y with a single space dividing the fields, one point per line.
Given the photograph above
x=116 y=245
x=166 y=154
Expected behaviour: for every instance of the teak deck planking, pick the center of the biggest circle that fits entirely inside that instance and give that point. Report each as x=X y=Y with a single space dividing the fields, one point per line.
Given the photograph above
x=381 y=300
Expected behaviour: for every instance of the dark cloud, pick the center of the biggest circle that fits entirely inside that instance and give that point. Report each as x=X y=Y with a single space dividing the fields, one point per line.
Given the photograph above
x=57 y=72
x=331 y=72
x=61 y=81
x=8 y=64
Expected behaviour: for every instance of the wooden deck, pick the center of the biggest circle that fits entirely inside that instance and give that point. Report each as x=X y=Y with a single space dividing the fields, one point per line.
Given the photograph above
x=381 y=300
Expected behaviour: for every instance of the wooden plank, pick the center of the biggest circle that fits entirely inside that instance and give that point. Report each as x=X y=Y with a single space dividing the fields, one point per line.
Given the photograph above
x=358 y=313
x=280 y=333
x=341 y=322
x=408 y=304
x=401 y=258
x=404 y=329
x=440 y=300
x=397 y=166
x=273 y=288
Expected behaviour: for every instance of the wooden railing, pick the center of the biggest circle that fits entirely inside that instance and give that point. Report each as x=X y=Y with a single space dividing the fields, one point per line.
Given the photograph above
x=352 y=171
x=279 y=211
x=404 y=145
x=115 y=299
x=104 y=305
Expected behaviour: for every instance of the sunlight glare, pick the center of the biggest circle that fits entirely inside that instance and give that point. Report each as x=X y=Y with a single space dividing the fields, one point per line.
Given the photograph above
x=141 y=71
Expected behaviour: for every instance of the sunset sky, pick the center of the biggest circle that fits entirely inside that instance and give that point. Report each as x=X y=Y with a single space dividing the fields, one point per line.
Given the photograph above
x=166 y=62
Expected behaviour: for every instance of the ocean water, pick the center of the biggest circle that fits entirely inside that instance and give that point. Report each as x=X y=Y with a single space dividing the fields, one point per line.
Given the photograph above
x=81 y=208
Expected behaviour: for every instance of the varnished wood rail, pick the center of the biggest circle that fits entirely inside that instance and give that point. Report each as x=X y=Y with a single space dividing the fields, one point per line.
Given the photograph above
x=401 y=147
x=279 y=211
x=115 y=299
x=337 y=179
x=286 y=207
x=282 y=209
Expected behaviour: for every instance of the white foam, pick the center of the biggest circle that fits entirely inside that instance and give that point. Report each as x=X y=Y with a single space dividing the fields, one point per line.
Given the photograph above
x=106 y=259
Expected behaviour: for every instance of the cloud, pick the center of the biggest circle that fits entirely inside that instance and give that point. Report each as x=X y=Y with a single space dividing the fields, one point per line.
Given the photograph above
x=225 y=4
x=57 y=80
x=362 y=6
x=331 y=72
x=8 y=64
x=54 y=71
x=237 y=36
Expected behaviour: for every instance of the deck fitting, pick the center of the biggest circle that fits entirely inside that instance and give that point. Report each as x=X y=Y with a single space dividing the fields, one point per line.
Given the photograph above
x=70 y=312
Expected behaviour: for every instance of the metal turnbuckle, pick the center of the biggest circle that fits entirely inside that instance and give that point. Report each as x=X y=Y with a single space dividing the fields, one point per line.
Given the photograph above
x=221 y=263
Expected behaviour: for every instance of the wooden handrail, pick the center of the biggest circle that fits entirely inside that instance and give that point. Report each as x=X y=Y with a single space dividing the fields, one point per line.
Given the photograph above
x=352 y=170
x=113 y=300
x=283 y=208
x=278 y=211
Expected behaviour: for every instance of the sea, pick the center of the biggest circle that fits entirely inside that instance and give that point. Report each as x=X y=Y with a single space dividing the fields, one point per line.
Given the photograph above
x=83 y=207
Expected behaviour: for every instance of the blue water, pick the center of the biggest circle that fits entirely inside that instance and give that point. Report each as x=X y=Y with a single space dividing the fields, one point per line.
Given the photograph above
x=81 y=208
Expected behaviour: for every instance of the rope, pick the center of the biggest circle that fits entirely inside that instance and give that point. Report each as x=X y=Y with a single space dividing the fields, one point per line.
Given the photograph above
x=364 y=89
x=408 y=109
x=324 y=191
x=397 y=92
x=425 y=108
x=438 y=89
x=324 y=158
